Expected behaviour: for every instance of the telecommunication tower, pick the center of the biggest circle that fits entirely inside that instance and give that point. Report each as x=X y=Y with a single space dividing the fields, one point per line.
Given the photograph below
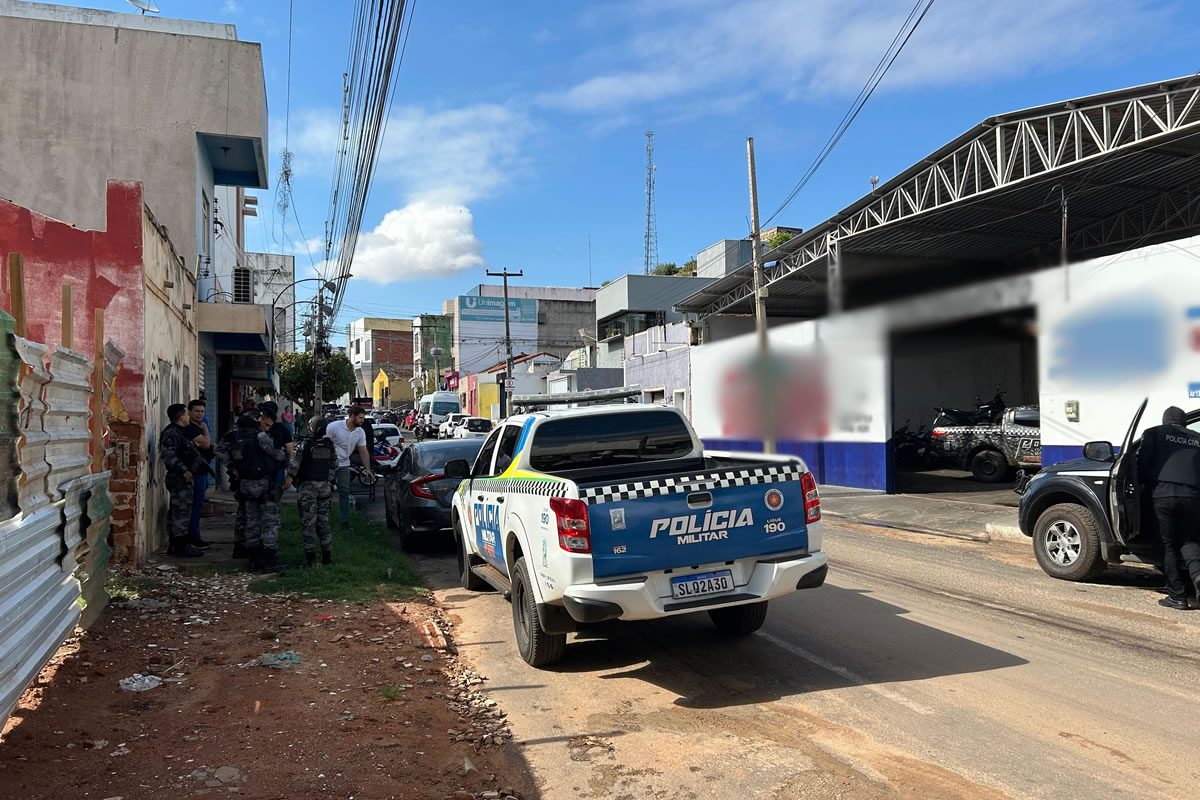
x=650 y=256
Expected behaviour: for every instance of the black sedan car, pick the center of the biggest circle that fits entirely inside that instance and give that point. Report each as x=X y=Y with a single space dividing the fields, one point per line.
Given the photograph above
x=417 y=495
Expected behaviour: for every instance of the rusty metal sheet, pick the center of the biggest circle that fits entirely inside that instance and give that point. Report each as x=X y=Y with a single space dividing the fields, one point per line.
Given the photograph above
x=10 y=471
x=32 y=491
x=39 y=605
x=96 y=551
x=68 y=398
x=76 y=495
x=112 y=365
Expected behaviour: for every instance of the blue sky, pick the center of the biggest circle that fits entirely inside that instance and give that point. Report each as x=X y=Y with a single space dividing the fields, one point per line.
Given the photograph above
x=517 y=130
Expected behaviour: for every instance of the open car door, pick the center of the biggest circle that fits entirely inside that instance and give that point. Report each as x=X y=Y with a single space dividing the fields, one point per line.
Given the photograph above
x=1124 y=493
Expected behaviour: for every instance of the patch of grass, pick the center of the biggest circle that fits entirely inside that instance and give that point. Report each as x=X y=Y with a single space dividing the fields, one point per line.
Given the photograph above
x=365 y=565
x=125 y=586
x=390 y=693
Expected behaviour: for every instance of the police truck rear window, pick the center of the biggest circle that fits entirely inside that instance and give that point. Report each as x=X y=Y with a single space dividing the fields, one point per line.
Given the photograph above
x=605 y=441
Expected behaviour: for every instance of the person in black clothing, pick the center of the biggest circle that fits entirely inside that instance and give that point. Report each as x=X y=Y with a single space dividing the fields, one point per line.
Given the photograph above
x=197 y=431
x=1168 y=464
x=182 y=461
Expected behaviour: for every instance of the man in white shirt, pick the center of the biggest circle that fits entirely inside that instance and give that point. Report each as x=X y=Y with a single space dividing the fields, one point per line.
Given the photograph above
x=348 y=437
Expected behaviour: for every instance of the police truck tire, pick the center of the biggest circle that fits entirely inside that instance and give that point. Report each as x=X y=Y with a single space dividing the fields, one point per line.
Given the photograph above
x=739 y=620
x=988 y=466
x=538 y=648
x=466 y=578
x=1066 y=543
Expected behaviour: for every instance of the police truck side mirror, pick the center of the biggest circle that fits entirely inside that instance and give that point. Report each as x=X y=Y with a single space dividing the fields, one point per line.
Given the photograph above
x=459 y=468
x=1099 y=451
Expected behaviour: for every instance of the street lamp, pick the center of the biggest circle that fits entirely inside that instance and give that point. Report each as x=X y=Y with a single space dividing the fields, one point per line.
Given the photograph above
x=329 y=286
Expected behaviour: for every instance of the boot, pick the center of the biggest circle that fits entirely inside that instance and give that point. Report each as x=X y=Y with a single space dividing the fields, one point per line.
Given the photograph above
x=179 y=548
x=240 y=550
x=269 y=561
x=310 y=559
x=326 y=556
x=255 y=554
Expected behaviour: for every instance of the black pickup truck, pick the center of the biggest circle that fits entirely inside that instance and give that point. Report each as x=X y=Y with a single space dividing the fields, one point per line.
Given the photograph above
x=1086 y=513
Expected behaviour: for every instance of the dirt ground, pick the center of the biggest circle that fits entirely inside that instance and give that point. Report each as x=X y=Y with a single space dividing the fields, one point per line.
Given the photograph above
x=378 y=705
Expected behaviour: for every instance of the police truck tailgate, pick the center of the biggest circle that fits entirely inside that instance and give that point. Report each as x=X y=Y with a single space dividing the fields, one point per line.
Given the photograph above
x=697 y=519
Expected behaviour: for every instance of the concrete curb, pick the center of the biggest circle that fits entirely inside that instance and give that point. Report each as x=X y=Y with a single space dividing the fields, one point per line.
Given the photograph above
x=1005 y=533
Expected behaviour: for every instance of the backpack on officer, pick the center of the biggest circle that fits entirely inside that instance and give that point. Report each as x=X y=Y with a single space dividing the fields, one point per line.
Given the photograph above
x=313 y=468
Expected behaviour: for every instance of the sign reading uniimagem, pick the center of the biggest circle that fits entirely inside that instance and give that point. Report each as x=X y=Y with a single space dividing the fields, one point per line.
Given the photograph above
x=491 y=309
x=481 y=330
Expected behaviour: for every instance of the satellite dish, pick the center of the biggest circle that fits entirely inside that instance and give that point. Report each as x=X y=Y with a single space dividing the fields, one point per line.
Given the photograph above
x=144 y=5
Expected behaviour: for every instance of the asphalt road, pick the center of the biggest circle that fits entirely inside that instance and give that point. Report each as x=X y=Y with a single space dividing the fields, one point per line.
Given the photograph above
x=924 y=668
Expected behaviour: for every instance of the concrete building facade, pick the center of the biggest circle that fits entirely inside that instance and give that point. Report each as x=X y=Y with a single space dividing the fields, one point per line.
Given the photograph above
x=634 y=303
x=545 y=319
x=179 y=107
x=432 y=351
x=131 y=272
x=376 y=344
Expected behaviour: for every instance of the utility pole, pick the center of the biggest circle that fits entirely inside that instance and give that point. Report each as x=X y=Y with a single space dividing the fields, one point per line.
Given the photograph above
x=1063 y=254
x=318 y=357
x=765 y=384
x=506 y=395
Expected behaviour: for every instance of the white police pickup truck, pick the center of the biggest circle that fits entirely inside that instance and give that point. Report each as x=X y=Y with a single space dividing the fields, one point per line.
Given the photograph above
x=616 y=512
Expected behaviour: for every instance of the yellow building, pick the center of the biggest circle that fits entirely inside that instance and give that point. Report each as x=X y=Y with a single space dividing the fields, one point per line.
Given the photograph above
x=391 y=390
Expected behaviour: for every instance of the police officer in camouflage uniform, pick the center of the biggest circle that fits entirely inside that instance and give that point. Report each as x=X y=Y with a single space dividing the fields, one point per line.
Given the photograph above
x=313 y=468
x=182 y=461
x=225 y=447
x=256 y=459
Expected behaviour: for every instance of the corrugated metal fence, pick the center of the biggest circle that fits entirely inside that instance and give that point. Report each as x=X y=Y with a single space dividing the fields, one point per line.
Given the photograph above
x=54 y=542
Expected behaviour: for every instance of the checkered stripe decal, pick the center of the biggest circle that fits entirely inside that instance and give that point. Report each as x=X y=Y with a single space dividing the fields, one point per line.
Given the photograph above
x=520 y=486
x=658 y=487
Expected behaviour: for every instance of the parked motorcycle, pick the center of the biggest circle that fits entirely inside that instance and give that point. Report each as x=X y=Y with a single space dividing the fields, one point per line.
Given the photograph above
x=914 y=450
x=982 y=414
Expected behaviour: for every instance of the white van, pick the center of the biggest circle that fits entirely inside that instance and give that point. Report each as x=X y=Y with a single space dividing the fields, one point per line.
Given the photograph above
x=434 y=409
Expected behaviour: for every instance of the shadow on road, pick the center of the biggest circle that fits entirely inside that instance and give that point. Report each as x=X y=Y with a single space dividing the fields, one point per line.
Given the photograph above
x=826 y=638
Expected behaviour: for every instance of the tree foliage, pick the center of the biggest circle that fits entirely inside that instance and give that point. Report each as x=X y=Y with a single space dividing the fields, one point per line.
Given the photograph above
x=777 y=240
x=665 y=268
x=297 y=379
x=688 y=268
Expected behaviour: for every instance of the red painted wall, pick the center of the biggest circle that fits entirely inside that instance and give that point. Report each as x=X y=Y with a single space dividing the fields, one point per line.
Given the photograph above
x=105 y=267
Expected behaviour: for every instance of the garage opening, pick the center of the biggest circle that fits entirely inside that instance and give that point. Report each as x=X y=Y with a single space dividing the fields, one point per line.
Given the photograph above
x=984 y=372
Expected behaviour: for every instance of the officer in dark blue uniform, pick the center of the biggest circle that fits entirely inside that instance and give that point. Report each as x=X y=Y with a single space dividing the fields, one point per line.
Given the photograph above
x=1169 y=466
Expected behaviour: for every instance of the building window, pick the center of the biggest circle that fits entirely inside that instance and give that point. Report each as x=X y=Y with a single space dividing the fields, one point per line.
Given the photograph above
x=241 y=285
x=358 y=347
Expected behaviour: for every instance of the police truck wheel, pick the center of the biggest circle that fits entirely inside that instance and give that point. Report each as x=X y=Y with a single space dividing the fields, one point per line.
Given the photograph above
x=467 y=579
x=538 y=648
x=1066 y=542
x=739 y=620
x=988 y=466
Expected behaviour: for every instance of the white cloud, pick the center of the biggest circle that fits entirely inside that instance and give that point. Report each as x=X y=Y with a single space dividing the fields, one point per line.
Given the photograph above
x=424 y=239
x=231 y=6
x=440 y=160
x=681 y=49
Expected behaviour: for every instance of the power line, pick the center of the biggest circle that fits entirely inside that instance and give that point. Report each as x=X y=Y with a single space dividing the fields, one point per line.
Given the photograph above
x=881 y=69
